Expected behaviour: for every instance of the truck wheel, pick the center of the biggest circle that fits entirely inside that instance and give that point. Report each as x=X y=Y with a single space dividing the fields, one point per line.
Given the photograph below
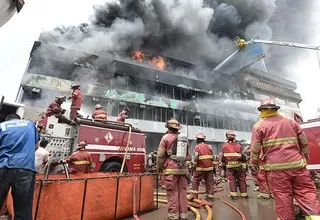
x=112 y=166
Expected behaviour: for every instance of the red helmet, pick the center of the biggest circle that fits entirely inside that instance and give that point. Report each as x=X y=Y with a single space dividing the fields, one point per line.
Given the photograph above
x=173 y=123
x=201 y=136
x=230 y=134
x=268 y=104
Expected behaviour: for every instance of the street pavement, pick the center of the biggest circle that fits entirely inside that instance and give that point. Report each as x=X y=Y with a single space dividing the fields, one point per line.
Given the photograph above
x=253 y=208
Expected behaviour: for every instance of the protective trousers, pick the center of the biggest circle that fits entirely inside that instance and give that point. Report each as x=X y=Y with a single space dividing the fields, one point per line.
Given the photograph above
x=263 y=184
x=198 y=176
x=234 y=174
x=73 y=113
x=176 y=186
x=297 y=184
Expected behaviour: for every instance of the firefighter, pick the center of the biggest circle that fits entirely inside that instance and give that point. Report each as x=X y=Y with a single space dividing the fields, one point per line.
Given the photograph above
x=233 y=160
x=123 y=115
x=285 y=150
x=76 y=101
x=171 y=158
x=261 y=176
x=253 y=174
x=80 y=161
x=99 y=114
x=203 y=161
x=55 y=109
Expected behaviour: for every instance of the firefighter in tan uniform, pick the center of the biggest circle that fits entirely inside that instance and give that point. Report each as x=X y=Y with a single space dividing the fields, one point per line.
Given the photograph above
x=204 y=161
x=285 y=150
x=171 y=162
x=80 y=161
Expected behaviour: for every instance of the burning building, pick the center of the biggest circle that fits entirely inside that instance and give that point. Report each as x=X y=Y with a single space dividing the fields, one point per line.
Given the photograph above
x=156 y=88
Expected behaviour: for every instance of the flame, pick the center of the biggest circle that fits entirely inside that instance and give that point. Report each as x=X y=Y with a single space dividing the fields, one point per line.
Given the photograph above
x=158 y=62
x=138 y=55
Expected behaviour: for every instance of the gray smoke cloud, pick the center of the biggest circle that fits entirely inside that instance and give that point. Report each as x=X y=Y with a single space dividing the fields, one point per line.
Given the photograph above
x=291 y=22
x=192 y=30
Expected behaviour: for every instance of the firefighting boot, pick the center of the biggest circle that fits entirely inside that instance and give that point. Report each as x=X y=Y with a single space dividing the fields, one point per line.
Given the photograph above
x=264 y=196
x=244 y=195
x=233 y=195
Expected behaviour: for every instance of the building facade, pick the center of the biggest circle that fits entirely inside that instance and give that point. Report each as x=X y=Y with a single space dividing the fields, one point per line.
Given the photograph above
x=155 y=89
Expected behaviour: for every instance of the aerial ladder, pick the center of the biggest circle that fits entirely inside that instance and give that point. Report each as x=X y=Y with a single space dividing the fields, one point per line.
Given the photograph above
x=241 y=44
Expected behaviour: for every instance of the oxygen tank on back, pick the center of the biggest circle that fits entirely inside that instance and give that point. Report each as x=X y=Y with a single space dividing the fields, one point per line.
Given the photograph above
x=181 y=147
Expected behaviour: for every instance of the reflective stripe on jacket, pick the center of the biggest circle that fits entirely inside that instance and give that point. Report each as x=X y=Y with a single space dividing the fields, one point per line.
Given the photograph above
x=279 y=139
x=99 y=114
x=205 y=158
x=79 y=162
x=231 y=151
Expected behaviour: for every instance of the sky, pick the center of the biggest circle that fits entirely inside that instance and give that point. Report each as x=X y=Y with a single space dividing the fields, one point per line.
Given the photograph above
x=17 y=37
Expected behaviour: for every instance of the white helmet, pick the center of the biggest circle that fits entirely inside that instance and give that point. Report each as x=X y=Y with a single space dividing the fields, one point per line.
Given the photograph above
x=98 y=106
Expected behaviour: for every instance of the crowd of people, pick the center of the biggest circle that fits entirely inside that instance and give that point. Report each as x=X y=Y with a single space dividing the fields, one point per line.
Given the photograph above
x=276 y=159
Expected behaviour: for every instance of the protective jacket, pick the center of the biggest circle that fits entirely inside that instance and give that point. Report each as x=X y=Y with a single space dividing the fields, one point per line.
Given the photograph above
x=282 y=142
x=165 y=163
x=204 y=157
x=232 y=154
x=80 y=162
x=99 y=114
x=122 y=116
x=53 y=109
x=76 y=99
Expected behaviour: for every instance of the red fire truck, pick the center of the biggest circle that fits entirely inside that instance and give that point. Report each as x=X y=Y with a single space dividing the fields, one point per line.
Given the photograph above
x=107 y=141
x=311 y=129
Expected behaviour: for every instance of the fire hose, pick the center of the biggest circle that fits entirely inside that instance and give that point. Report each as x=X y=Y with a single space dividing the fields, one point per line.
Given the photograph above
x=243 y=217
x=207 y=207
x=127 y=148
x=192 y=209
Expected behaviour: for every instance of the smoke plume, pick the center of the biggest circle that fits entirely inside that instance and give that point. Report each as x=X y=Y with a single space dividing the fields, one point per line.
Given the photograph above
x=197 y=31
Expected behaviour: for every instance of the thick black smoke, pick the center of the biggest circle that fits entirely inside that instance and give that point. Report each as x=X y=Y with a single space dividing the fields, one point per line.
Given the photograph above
x=192 y=30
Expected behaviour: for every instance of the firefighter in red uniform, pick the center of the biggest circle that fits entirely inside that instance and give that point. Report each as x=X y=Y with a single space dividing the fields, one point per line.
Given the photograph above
x=76 y=101
x=203 y=161
x=261 y=176
x=253 y=174
x=80 y=161
x=123 y=115
x=233 y=160
x=285 y=150
x=171 y=161
x=99 y=114
x=55 y=109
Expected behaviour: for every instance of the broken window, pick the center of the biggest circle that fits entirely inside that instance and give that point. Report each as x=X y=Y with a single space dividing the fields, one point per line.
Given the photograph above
x=149 y=113
x=177 y=93
x=141 y=112
x=170 y=113
x=114 y=107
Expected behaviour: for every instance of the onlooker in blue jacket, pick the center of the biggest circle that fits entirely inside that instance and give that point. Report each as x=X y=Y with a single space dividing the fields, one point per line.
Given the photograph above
x=19 y=140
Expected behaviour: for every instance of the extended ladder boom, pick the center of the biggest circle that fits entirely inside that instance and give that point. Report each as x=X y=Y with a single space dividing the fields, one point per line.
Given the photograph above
x=287 y=44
